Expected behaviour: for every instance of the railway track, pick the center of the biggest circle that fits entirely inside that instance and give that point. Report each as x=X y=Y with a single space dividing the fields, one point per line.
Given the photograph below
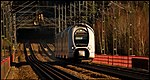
x=85 y=73
x=122 y=73
x=119 y=73
x=46 y=71
x=55 y=70
x=77 y=71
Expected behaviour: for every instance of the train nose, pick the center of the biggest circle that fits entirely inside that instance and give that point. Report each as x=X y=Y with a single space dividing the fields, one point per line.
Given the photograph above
x=81 y=53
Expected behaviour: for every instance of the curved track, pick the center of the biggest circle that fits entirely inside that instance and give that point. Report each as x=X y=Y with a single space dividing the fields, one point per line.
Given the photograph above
x=122 y=73
x=43 y=70
x=47 y=70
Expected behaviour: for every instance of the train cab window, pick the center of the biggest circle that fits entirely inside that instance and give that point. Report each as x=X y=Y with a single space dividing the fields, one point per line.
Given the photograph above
x=81 y=38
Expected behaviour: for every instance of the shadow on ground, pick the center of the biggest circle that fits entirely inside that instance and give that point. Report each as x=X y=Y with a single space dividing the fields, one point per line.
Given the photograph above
x=19 y=64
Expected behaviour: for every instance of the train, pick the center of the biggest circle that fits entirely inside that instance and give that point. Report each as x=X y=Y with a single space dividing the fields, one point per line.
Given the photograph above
x=76 y=42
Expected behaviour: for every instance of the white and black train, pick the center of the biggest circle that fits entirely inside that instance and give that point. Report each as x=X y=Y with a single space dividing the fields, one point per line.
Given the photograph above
x=76 y=42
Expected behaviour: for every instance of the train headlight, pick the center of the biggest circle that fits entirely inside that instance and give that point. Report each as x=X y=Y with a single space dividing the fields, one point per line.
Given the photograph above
x=72 y=47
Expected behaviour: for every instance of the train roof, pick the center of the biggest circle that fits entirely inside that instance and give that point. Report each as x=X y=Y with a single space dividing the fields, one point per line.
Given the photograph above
x=78 y=24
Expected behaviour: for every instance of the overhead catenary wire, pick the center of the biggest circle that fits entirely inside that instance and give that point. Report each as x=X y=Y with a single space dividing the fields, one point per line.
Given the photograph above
x=21 y=4
x=25 y=7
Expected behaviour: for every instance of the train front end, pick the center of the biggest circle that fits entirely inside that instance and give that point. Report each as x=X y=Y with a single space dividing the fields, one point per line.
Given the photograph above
x=83 y=42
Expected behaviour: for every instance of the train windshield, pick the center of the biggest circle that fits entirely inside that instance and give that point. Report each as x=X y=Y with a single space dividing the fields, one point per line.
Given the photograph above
x=81 y=38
